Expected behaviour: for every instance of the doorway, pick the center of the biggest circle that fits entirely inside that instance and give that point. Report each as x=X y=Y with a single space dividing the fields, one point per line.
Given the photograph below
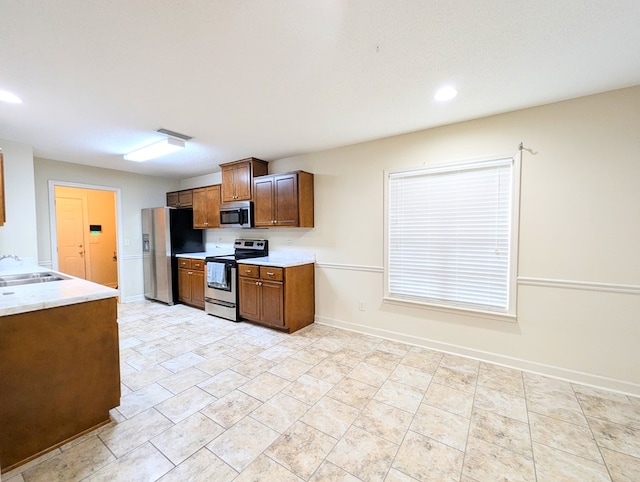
x=84 y=231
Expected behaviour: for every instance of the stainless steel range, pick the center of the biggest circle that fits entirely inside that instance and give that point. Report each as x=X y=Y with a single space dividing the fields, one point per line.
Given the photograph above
x=221 y=285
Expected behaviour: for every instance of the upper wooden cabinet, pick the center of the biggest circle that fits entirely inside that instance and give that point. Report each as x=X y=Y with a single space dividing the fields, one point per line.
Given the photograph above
x=283 y=200
x=206 y=207
x=237 y=178
x=180 y=199
x=3 y=215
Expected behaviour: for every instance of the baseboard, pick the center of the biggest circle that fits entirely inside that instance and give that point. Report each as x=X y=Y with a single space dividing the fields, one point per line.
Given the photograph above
x=560 y=373
x=132 y=299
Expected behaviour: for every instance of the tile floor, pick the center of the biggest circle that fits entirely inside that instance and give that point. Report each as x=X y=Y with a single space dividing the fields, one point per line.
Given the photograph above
x=208 y=399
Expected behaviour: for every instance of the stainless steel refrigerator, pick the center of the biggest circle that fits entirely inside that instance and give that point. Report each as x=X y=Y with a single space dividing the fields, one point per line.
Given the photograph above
x=165 y=233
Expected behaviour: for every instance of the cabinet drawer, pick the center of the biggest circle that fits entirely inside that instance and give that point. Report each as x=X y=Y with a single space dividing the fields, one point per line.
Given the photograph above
x=248 y=270
x=267 y=272
x=197 y=264
x=184 y=263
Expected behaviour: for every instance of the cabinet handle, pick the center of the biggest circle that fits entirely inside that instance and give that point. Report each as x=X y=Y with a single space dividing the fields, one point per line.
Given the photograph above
x=269 y=273
x=247 y=271
x=190 y=272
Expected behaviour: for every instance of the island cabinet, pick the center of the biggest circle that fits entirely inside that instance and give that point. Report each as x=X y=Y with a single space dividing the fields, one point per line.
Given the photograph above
x=282 y=298
x=180 y=199
x=59 y=376
x=191 y=281
x=3 y=216
x=206 y=207
x=237 y=178
x=284 y=200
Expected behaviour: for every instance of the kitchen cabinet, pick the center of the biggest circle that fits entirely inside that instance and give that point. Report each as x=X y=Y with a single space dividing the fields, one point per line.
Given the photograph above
x=282 y=298
x=180 y=199
x=3 y=215
x=237 y=178
x=206 y=207
x=284 y=200
x=60 y=376
x=191 y=281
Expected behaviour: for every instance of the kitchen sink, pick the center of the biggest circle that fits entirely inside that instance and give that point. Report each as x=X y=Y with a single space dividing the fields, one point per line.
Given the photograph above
x=30 y=278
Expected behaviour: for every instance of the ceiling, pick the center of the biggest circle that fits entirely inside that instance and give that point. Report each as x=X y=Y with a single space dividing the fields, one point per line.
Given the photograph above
x=278 y=78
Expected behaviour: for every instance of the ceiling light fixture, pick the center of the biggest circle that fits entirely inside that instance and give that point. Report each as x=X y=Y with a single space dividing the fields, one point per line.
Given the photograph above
x=445 y=93
x=9 y=97
x=173 y=142
x=157 y=149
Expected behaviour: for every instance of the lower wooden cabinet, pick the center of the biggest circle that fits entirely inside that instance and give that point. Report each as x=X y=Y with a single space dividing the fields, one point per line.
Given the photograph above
x=59 y=376
x=282 y=298
x=191 y=281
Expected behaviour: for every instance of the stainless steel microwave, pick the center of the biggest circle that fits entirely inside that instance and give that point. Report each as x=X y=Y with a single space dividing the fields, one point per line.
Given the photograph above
x=236 y=214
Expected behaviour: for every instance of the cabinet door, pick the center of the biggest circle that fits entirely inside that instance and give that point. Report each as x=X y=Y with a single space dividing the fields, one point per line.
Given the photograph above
x=184 y=285
x=249 y=298
x=200 y=208
x=272 y=303
x=213 y=206
x=197 y=288
x=242 y=181
x=172 y=199
x=185 y=198
x=227 y=193
x=286 y=200
x=263 y=201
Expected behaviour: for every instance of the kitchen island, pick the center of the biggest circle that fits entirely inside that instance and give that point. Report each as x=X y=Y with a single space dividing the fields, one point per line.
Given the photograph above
x=59 y=362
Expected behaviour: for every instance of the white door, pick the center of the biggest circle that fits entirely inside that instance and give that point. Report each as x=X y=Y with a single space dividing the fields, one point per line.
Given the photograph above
x=70 y=232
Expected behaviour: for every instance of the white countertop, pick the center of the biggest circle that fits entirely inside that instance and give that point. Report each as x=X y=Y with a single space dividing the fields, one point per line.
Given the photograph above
x=278 y=259
x=39 y=296
x=217 y=251
x=282 y=259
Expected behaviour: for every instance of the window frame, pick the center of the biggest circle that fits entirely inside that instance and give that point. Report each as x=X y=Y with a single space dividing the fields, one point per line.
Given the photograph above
x=510 y=314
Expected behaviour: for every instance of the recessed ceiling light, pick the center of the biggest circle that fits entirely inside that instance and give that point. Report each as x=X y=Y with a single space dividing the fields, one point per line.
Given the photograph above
x=9 y=97
x=445 y=93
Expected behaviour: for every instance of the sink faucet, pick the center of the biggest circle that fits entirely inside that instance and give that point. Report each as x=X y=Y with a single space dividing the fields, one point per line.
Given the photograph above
x=12 y=256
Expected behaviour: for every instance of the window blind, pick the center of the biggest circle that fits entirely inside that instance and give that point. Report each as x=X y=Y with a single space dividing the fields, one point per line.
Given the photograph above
x=449 y=235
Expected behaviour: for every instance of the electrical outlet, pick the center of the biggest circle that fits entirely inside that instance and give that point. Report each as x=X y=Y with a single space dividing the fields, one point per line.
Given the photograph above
x=361 y=305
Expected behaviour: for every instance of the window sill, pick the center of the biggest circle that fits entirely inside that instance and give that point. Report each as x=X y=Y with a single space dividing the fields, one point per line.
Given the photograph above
x=491 y=315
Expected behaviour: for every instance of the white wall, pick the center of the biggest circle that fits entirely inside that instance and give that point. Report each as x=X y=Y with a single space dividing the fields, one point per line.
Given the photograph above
x=137 y=192
x=579 y=267
x=579 y=264
x=19 y=234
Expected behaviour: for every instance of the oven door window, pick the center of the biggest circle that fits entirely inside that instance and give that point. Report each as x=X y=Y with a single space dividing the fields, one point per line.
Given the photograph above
x=219 y=275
